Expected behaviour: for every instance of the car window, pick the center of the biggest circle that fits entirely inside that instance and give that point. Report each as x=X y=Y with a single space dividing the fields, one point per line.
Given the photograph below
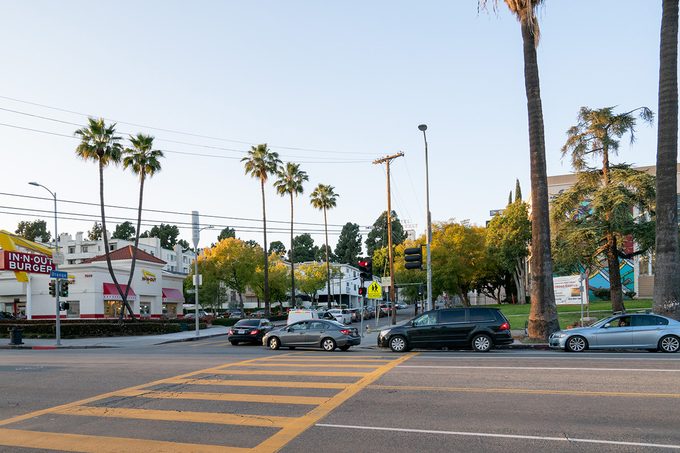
x=317 y=325
x=481 y=315
x=248 y=323
x=299 y=326
x=622 y=321
x=452 y=316
x=427 y=319
x=649 y=320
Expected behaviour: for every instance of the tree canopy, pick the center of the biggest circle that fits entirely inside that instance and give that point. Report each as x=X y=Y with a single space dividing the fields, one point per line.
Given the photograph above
x=125 y=231
x=348 y=248
x=167 y=233
x=95 y=233
x=34 y=230
x=304 y=248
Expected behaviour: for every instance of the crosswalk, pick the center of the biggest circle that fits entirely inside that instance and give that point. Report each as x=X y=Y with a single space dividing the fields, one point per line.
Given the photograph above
x=255 y=405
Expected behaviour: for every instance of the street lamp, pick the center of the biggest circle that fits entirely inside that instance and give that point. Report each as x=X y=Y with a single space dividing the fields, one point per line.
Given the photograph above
x=196 y=277
x=423 y=128
x=54 y=260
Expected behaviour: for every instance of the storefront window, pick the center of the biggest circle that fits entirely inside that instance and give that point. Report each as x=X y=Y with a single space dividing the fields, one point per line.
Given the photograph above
x=170 y=310
x=112 y=308
x=145 y=309
x=73 y=309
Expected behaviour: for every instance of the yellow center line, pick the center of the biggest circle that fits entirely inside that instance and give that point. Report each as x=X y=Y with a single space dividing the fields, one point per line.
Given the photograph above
x=281 y=384
x=523 y=391
x=241 y=397
x=285 y=435
x=103 y=444
x=179 y=416
x=289 y=373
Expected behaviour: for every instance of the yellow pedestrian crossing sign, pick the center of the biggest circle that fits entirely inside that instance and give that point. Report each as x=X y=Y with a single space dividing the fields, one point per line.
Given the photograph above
x=374 y=291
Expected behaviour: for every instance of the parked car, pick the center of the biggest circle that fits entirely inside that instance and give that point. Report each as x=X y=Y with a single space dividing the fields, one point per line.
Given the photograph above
x=313 y=333
x=355 y=314
x=235 y=314
x=192 y=315
x=257 y=314
x=475 y=327
x=301 y=314
x=401 y=306
x=6 y=315
x=623 y=331
x=249 y=331
x=342 y=315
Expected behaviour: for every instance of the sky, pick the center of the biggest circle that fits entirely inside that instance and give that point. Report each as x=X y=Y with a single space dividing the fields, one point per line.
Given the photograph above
x=330 y=85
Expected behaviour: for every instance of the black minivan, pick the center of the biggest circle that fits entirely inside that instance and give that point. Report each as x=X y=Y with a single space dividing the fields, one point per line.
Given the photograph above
x=476 y=327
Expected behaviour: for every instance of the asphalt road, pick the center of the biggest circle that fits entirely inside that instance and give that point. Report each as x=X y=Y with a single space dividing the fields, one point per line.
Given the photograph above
x=213 y=397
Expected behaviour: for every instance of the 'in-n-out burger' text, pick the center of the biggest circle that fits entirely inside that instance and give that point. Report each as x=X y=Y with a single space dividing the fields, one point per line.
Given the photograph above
x=26 y=262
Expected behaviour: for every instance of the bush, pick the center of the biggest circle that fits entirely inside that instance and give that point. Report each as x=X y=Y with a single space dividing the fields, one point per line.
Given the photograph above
x=601 y=293
x=87 y=328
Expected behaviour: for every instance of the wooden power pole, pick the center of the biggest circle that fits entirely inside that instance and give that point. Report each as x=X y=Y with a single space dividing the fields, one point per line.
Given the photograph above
x=387 y=160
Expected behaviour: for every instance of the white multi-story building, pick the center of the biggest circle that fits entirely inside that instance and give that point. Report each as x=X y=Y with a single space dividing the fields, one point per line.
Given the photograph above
x=345 y=288
x=76 y=250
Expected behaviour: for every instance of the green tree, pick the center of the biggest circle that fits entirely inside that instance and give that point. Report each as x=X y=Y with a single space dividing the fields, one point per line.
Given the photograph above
x=377 y=237
x=260 y=163
x=278 y=280
x=184 y=244
x=543 y=315
x=667 y=270
x=597 y=134
x=518 y=191
x=311 y=277
x=320 y=254
x=291 y=182
x=144 y=162
x=100 y=144
x=325 y=198
x=226 y=233
x=96 y=232
x=33 y=230
x=167 y=233
x=125 y=231
x=348 y=248
x=278 y=248
x=304 y=249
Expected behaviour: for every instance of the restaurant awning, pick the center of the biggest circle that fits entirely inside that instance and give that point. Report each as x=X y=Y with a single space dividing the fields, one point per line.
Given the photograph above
x=173 y=295
x=111 y=293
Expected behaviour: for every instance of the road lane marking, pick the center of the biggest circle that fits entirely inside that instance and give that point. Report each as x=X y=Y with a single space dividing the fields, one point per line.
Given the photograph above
x=472 y=367
x=523 y=391
x=311 y=365
x=290 y=373
x=103 y=444
x=285 y=435
x=548 y=356
x=241 y=397
x=282 y=384
x=178 y=416
x=331 y=360
x=502 y=436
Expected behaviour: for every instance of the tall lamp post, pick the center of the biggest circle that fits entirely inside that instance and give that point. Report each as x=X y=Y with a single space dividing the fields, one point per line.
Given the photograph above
x=54 y=260
x=423 y=128
x=196 y=279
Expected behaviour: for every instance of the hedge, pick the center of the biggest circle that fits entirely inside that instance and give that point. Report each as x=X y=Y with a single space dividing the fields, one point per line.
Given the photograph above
x=71 y=329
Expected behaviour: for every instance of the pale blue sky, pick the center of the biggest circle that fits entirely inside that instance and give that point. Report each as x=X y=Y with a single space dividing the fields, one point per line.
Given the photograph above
x=351 y=78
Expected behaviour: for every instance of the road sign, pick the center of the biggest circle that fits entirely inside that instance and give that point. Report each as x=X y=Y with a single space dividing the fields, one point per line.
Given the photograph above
x=195 y=231
x=59 y=274
x=385 y=281
x=374 y=291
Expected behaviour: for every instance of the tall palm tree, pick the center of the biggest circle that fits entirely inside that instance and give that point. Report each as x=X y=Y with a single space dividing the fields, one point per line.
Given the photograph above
x=543 y=316
x=144 y=162
x=260 y=163
x=667 y=278
x=325 y=198
x=100 y=144
x=290 y=182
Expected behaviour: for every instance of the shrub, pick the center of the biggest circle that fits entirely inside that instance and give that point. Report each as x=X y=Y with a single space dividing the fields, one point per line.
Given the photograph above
x=88 y=328
x=601 y=293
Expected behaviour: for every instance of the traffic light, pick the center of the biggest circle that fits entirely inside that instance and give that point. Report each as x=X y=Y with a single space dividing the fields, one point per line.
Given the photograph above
x=362 y=291
x=366 y=269
x=414 y=258
x=64 y=306
x=53 y=288
x=63 y=288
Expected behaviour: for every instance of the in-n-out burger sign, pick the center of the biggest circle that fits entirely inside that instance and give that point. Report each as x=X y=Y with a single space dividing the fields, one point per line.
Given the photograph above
x=25 y=262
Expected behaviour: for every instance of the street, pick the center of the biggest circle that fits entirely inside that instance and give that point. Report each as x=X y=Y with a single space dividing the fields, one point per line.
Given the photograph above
x=210 y=396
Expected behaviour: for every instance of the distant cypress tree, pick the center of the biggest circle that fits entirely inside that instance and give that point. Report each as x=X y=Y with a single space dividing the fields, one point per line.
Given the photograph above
x=518 y=191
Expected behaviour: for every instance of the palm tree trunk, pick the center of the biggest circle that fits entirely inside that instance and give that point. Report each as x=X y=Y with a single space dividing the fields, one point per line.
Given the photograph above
x=328 y=263
x=139 y=225
x=667 y=278
x=292 y=256
x=543 y=316
x=106 y=239
x=266 y=258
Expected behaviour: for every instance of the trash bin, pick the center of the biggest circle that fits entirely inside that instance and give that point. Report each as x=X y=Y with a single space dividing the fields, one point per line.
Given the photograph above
x=183 y=327
x=15 y=336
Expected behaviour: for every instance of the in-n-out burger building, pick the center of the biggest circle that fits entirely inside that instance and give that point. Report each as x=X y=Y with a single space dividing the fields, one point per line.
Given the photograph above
x=24 y=283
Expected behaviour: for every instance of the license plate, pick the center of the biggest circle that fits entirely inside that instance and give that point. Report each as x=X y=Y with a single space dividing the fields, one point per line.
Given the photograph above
x=240 y=331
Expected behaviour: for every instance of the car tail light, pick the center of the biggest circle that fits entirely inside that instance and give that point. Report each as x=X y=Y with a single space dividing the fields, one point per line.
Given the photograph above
x=504 y=326
x=345 y=331
x=254 y=332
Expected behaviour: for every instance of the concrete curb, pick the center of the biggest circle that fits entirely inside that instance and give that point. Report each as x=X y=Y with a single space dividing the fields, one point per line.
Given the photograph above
x=51 y=347
x=202 y=337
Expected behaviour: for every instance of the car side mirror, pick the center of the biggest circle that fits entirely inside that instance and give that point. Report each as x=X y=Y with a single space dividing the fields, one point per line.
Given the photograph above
x=607 y=326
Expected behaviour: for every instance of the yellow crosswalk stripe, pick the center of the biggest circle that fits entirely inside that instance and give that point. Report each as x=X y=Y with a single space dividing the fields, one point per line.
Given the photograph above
x=311 y=365
x=103 y=444
x=217 y=418
x=242 y=397
x=290 y=373
x=282 y=384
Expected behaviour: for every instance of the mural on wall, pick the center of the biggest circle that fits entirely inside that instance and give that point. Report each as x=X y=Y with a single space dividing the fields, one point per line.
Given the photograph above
x=599 y=278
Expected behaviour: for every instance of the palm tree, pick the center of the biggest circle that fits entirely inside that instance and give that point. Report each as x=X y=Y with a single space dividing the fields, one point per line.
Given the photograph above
x=543 y=316
x=143 y=160
x=667 y=278
x=99 y=143
x=260 y=163
x=290 y=183
x=325 y=198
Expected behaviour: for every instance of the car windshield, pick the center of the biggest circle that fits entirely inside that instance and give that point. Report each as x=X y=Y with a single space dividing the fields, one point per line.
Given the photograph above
x=248 y=323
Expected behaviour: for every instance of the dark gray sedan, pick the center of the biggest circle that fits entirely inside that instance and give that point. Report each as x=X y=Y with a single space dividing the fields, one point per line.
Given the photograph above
x=624 y=331
x=313 y=333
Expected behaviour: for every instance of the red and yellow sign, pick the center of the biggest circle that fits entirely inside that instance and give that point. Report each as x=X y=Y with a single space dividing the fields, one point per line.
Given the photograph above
x=25 y=262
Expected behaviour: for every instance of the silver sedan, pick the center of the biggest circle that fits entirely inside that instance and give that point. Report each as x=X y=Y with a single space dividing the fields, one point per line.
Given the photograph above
x=624 y=331
x=313 y=333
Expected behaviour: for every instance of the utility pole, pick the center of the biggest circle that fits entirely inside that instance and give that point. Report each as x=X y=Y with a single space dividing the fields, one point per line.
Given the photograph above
x=387 y=160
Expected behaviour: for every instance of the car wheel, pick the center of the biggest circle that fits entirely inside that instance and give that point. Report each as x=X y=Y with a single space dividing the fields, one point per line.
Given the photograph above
x=669 y=343
x=482 y=343
x=344 y=348
x=234 y=342
x=576 y=344
x=328 y=344
x=274 y=343
x=398 y=344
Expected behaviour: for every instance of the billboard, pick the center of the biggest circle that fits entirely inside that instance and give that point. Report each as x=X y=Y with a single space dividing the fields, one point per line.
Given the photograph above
x=25 y=262
x=568 y=290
